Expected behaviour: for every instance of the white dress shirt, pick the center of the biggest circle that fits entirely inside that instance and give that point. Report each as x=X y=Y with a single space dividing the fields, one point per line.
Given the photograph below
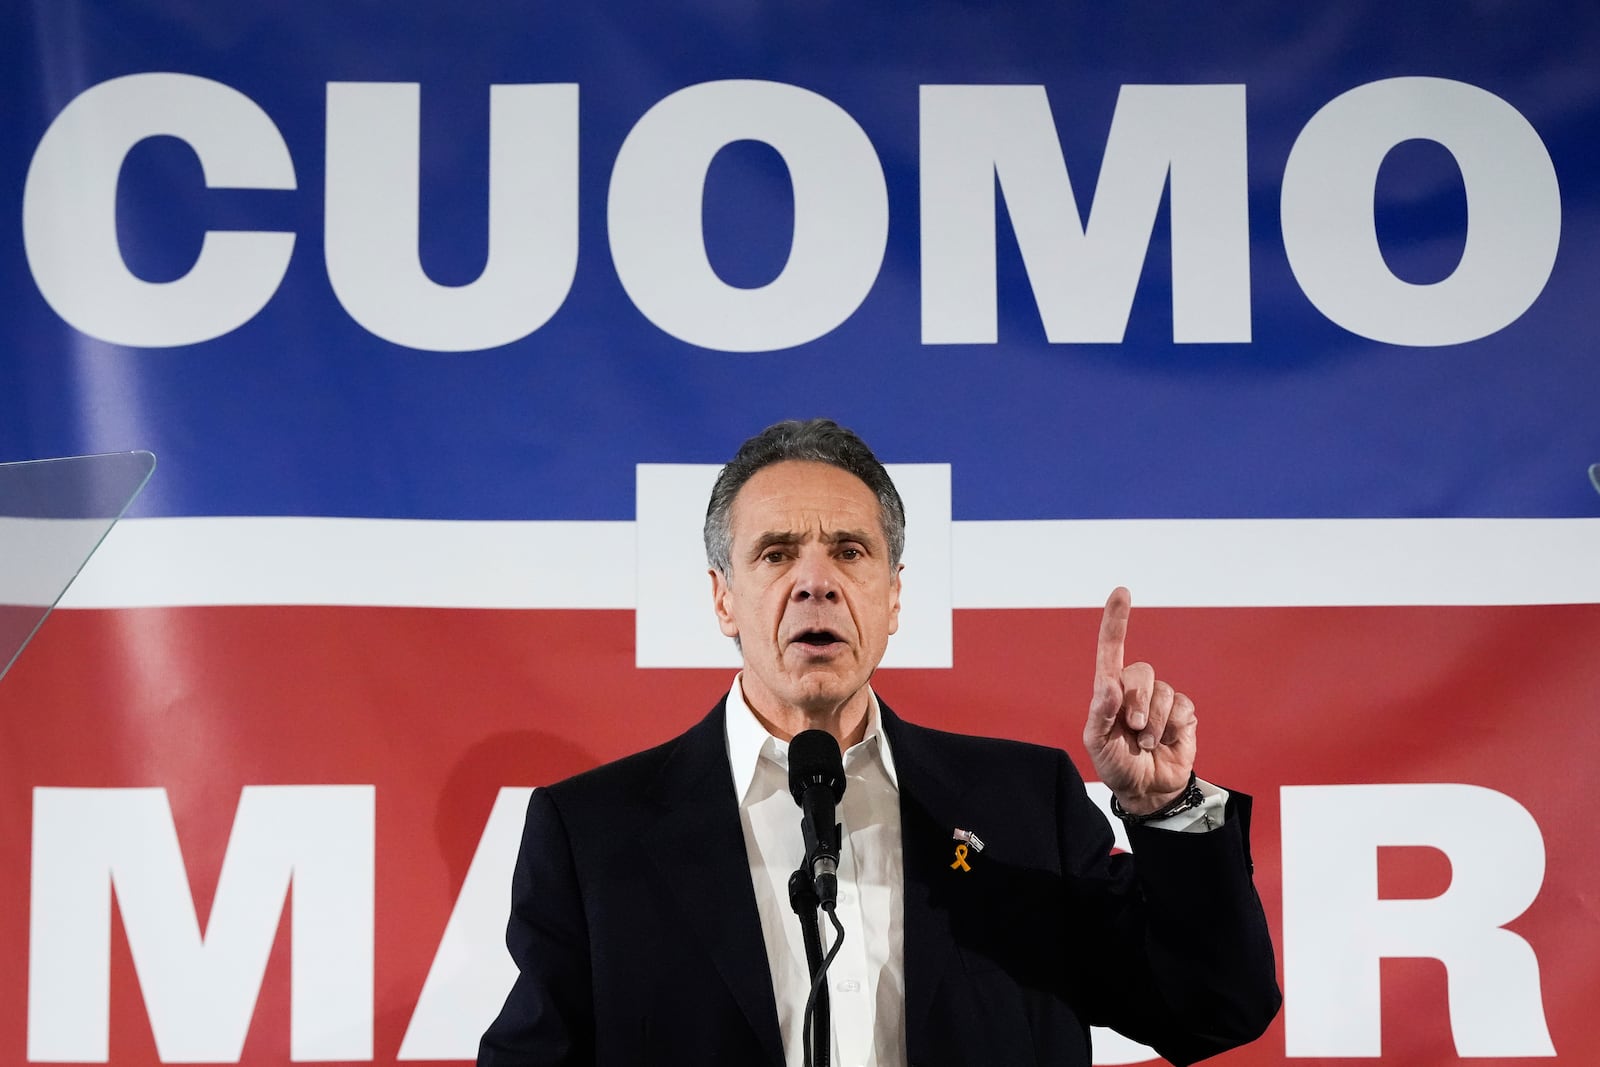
x=866 y=981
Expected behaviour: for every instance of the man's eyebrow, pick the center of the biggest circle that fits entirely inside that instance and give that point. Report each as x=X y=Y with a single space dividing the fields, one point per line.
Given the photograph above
x=791 y=537
x=777 y=537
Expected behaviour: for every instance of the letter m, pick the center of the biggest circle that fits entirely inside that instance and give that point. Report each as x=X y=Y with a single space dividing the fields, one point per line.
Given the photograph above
x=200 y=989
x=1186 y=138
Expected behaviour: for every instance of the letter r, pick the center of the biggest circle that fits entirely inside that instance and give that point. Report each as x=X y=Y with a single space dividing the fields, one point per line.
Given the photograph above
x=1336 y=929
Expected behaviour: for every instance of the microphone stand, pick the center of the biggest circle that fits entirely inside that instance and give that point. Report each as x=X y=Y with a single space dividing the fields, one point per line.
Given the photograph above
x=817 y=782
x=803 y=899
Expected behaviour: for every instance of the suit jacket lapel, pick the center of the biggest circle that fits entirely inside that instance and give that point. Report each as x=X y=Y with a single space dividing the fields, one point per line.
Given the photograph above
x=930 y=793
x=699 y=848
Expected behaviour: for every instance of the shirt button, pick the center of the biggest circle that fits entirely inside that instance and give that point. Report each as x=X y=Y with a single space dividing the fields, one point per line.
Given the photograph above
x=848 y=985
x=844 y=897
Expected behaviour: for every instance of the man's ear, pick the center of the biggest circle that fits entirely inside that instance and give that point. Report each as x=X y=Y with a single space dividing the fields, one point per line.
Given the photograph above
x=721 y=595
x=894 y=603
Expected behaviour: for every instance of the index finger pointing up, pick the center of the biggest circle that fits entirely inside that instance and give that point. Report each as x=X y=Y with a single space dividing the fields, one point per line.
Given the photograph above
x=1113 y=633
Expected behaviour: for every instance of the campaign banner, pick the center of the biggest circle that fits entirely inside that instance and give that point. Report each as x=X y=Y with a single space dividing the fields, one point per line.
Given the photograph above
x=440 y=320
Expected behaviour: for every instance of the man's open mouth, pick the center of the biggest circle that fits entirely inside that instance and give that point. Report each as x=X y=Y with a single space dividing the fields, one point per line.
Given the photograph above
x=816 y=638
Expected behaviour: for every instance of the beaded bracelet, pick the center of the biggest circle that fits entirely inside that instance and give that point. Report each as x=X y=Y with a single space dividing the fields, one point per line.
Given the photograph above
x=1191 y=797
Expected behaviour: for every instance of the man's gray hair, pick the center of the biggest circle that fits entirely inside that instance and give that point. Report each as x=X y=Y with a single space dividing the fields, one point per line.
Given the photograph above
x=814 y=440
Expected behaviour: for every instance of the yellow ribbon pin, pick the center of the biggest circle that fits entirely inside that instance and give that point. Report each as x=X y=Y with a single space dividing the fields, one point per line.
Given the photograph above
x=961 y=859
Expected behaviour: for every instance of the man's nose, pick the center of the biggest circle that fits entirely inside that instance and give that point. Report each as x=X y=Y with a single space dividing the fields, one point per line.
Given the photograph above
x=814 y=577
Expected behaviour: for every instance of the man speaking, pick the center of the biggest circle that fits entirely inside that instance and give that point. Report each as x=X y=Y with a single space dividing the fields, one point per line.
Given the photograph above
x=985 y=919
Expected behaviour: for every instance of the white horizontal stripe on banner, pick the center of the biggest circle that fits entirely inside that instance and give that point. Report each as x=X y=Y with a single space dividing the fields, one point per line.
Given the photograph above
x=360 y=562
x=1277 y=562
x=1011 y=564
x=38 y=557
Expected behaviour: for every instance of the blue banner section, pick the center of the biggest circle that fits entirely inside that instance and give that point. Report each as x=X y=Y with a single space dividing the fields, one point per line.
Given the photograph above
x=1270 y=363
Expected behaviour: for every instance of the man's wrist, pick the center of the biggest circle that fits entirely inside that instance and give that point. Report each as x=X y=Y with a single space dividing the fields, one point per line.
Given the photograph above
x=1186 y=799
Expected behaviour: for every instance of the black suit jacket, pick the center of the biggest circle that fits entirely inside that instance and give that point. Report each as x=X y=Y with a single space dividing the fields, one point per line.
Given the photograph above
x=637 y=939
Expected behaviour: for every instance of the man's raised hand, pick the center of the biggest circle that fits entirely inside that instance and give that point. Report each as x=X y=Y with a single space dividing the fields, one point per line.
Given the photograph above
x=1140 y=733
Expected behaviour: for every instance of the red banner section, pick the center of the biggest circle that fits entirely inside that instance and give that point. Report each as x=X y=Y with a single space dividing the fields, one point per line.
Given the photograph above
x=1407 y=750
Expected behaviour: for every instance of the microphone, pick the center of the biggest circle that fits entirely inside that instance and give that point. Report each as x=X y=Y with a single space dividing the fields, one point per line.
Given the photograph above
x=816 y=781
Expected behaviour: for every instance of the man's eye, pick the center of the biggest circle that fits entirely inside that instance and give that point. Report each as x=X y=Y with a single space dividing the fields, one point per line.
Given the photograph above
x=849 y=553
x=775 y=556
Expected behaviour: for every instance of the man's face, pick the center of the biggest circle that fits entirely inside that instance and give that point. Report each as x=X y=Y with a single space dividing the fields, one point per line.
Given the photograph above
x=812 y=595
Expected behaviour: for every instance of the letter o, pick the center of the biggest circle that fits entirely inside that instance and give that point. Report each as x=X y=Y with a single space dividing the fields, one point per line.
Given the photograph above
x=1513 y=202
x=841 y=215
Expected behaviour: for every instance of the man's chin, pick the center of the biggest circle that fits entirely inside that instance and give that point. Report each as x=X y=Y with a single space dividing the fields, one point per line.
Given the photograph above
x=822 y=693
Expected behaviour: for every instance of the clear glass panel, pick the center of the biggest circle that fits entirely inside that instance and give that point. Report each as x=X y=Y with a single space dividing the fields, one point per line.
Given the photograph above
x=53 y=515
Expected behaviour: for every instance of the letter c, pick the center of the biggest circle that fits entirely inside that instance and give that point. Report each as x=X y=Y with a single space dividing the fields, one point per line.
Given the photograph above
x=69 y=225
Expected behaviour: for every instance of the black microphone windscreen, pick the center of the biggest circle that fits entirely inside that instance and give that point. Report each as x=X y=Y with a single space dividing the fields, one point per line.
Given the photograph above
x=814 y=759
